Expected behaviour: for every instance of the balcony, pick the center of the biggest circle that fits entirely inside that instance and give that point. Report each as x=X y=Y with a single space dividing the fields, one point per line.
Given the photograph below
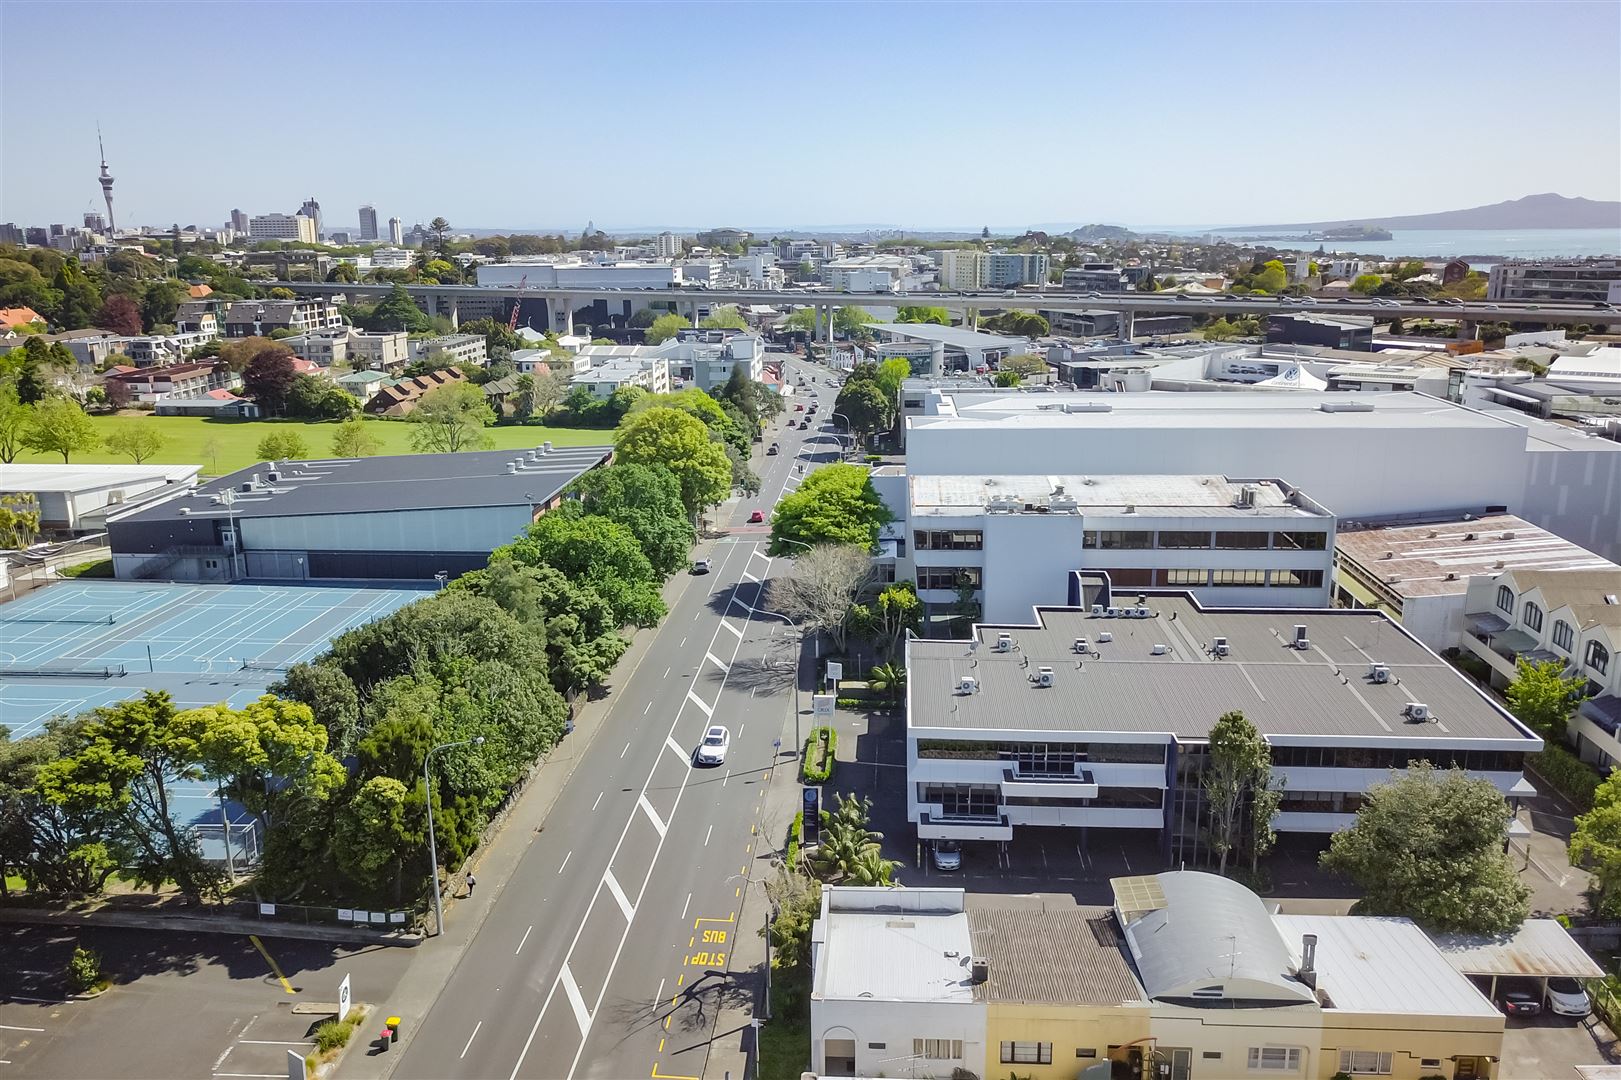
x=1076 y=785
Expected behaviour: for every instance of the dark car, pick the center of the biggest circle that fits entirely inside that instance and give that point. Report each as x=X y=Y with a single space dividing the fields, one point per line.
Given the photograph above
x=771 y=451
x=1519 y=997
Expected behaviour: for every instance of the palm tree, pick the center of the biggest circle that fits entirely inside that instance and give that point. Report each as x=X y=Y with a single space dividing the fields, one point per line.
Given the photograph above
x=888 y=680
x=872 y=869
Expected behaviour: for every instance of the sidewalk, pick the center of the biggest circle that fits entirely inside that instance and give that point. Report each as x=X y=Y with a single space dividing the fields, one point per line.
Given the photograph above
x=205 y=924
x=437 y=959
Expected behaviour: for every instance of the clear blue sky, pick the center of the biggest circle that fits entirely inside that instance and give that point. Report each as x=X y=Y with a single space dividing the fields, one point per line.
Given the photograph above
x=762 y=114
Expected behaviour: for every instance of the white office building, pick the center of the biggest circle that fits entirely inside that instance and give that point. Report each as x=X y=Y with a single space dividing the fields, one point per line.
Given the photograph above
x=282 y=227
x=667 y=245
x=963 y=349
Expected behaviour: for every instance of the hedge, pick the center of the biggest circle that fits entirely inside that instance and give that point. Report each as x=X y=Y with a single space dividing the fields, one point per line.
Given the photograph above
x=819 y=771
x=1570 y=775
x=796 y=838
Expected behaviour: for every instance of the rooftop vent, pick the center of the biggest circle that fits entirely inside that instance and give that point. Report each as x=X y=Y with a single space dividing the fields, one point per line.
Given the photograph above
x=272 y=476
x=1508 y=536
x=546 y=447
x=1612 y=599
x=1308 y=960
x=1378 y=672
x=1469 y=536
x=1245 y=499
x=1418 y=712
x=1105 y=637
x=1131 y=508
x=1157 y=650
x=1388 y=555
x=511 y=468
x=1345 y=406
x=1220 y=647
x=1451 y=576
x=979 y=970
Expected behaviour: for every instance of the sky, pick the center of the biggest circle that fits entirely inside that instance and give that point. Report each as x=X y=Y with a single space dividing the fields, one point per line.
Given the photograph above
x=927 y=115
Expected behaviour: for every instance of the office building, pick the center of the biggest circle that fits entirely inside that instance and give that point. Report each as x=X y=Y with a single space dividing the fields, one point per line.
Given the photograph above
x=964 y=350
x=459 y=350
x=706 y=358
x=1094 y=277
x=1334 y=332
x=382 y=351
x=312 y=210
x=1553 y=281
x=282 y=227
x=396 y=237
x=368 y=222
x=239 y=222
x=1187 y=976
x=1019 y=541
x=724 y=237
x=403 y=518
x=649 y=373
x=11 y=234
x=1099 y=716
x=250 y=318
x=95 y=222
x=1006 y=270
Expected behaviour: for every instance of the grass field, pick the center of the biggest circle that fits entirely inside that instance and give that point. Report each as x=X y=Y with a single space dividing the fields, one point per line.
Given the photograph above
x=222 y=446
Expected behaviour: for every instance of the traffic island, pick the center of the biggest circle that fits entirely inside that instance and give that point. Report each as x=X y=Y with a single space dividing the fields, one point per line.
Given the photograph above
x=333 y=1039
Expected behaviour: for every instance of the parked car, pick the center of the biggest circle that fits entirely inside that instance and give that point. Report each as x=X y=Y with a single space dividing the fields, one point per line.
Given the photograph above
x=757 y=517
x=771 y=451
x=1567 y=998
x=1519 y=997
x=947 y=855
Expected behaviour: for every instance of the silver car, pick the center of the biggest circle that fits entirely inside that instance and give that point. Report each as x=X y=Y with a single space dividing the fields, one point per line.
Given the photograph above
x=947 y=855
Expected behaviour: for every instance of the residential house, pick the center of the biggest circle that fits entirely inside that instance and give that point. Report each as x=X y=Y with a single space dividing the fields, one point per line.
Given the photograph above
x=402 y=397
x=247 y=318
x=181 y=380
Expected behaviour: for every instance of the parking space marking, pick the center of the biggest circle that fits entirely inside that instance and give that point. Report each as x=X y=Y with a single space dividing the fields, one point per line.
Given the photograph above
x=257 y=944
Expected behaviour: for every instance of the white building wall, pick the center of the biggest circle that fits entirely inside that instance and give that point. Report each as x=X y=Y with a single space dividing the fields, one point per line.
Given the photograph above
x=895 y=1024
x=463 y=529
x=1027 y=560
x=1577 y=494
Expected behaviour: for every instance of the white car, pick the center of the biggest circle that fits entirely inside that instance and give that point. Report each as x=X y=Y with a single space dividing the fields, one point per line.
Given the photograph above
x=712 y=751
x=1567 y=998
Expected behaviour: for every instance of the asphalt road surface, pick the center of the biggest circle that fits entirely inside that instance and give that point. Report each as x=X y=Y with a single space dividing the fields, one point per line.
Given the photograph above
x=607 y=952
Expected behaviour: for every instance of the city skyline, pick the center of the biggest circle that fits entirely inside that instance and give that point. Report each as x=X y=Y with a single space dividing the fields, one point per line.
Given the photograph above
x=1187 y=114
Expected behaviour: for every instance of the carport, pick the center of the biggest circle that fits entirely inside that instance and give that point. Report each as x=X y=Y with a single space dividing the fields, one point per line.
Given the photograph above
x=1540 y=949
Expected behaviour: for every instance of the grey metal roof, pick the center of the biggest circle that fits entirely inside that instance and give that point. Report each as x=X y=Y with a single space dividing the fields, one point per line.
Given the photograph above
x=1323 y=691
x=1540 y=947
x=950 y=335
x=1212 y=932
x=380 y=484
x=1383 y=965
x=1073 y=956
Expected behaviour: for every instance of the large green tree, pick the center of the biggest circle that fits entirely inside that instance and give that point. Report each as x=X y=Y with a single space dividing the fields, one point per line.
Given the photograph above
x=581 y=630
x=1543 y=697
x=397 y=312
x=666 y=327
x=1596 y=843
x=1237 y=786
x=724 y=317
x=451 y=418
x=937 y=315
x=136 y=440
x=58 y=426
x=646 y=499
x=600 y=553
x=680 y=442
x=14 y=418
x=1431 y=845
x=836 y=504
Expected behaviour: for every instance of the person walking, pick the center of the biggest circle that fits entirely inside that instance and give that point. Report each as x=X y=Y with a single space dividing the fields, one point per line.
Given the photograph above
x=471 y=881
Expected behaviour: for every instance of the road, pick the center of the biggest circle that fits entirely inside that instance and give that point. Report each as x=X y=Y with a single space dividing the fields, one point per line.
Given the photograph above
x=606 y=954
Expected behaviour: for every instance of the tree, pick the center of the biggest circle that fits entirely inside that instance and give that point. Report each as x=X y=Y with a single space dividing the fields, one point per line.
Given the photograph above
x=646 y=499
x=801 y=319
x=1005 y=378
x=396 y=312
x=331 y=698
x=440 y=228
x=680 y=442
x=239 y=354
x=889 y=680
x=1022 y=323
x=352 y=439
x=43 y=366
x=451 y=418
x=14 y=418
x=725 y=317
x=1366 y=283
x=1024 y=365
x=19 y=519
x=344 y=272
x=1238 y=770
x=936 y=315
x=81 y=299
x=865 y=405
x=268 y=379
x=1543 y=698
x=1272 y=278
x=314 y=398
x=120 y=316
x=1432 y=845
x=849 y=849
x=825 y=582
x=666 y=327
x=836 y=504
x=137 y=440
x=59 y=426
x=897 y=610
x=1596 y=843
x=282 y=446
x=600 y=553
x=1220 y=330
x=851 y=322
x=281 y=293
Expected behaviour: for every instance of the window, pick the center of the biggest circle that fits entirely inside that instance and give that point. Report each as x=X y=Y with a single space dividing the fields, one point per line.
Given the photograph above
x=877 y=1046
x=1027 y=1053
x=1106 y=539
x=950 y=540
x=1237 y=577
x=947 y=577
x=1532 y=616
x=1241 y=540
x=1211 y=1055
x=1429 y=1063
x=1505 y=598
x=1185 y=577
x=1365 y=1061
x=1275 y=1058
x=1300 y=541
x=1563 y=636
x=937 y=1049
x=1133 y=577
x=1598 y=657
x=1297 y=579
x=1086 y=1051
x=1172 y=538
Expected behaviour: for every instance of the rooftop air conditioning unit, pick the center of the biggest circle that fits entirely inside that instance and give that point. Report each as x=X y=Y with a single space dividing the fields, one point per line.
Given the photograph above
x=546 y=447
x=1113 y=613
x=1379 y=673
x=272 y=477
x=1098 y=610
x=967 y=685
x=1105 y=637
x=1468 y=536
x=1301 y=641
x=511 y=468
x=1157 y=650
x=245 y=487
x=1220 y=647
x=1418 y=712
x=1082 y=645
x=1141 y=612
x=1004 y=642
x=1043 y=676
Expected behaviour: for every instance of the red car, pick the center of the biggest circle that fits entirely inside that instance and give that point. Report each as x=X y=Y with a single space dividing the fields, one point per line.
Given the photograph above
x=756 y=517
x=799 y=408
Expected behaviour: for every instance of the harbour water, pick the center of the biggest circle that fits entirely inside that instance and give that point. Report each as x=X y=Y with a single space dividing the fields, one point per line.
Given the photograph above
x=1477 y=245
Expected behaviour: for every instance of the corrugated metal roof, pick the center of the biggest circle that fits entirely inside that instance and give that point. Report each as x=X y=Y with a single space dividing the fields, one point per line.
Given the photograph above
x=1382 y=965
x=1540 y=947
x=1069 y=957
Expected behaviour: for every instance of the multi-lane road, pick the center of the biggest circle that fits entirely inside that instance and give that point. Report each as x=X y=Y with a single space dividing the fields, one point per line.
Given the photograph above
x=607 y=952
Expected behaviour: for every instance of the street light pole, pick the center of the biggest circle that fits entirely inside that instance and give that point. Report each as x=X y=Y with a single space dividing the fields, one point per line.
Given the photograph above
x=799 y=656
x=433 y=850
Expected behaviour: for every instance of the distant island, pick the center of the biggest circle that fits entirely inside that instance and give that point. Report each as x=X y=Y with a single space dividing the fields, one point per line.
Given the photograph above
x=1546 y=211
x=1336 y=235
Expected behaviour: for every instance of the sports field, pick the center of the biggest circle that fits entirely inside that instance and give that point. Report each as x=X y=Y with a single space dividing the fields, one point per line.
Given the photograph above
x=222 y=446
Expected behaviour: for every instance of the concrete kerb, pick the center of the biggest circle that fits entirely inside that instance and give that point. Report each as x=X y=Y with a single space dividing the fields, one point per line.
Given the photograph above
x=431 y=969
x=206 y=924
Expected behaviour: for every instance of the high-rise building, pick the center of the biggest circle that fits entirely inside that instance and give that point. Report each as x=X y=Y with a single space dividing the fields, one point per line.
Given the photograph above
x=963 y=269
x=10 y=234
x=368 y=222
x=282 y=227
x=239 y=221
x=312 y=210
x=106 y=181
x=94 y=221
x=667 y=245
x=396 y=231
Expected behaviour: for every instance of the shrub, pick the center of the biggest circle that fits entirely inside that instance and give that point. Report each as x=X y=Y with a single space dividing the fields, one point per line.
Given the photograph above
x=796 y=838
x=332 y=1034
x=84 y=970
x=1569 y=774
x=852 y=703
x=816 y=764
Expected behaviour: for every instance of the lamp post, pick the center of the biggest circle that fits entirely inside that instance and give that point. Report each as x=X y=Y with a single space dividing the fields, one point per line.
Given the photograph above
x=228 y=496
x=850 y=429
x=433 y=851
x=799 y=654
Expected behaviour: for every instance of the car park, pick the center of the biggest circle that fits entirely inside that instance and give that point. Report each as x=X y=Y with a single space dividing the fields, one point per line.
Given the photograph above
x=947 y=855
x=712 y=751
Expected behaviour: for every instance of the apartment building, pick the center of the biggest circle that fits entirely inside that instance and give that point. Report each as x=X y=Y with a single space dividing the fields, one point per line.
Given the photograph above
x=461 y=350
x=1186 y=976
x=865 y=273
x=705 y=358
x=1094 y=277
x=282 y=227
x=1007 y=270
x=963 y=269
x=1555 y=281
x=179 y=380
x=378 y=351
x=1099 y=716
x=156 y=350
x=1571 y=617
x=651 y=374
x=1018 y=541
x=249 y=318
x=199 y=316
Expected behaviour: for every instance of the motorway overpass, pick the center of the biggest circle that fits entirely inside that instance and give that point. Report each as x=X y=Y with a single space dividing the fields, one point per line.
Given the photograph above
x=562 y=303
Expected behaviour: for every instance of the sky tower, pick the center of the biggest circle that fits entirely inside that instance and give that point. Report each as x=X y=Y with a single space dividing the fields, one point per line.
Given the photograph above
x=106 y=184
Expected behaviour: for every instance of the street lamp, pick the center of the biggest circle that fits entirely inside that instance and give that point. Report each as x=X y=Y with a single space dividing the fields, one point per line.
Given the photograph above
x=433 y=851
x=228 y=497
x=799 y=656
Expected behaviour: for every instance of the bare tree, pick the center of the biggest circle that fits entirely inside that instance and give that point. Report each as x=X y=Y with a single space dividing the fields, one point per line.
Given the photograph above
x=825 y=582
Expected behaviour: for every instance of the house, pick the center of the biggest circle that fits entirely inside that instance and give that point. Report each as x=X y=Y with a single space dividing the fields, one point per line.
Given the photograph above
x=181 y=380
x=13 y=317
x=402 y=397
x=198 y=291
x=498 y=391
x=218 y=404
x=364 y=384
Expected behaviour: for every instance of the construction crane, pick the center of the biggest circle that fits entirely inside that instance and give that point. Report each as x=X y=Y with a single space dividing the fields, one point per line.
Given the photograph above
x=512 y=322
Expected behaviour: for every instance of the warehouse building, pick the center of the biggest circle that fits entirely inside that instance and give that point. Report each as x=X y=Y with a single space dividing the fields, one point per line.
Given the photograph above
x=404 y=518
x=77 y=498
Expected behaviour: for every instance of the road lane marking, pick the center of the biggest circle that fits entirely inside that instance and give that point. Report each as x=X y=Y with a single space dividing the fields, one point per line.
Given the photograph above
x=751 y=577
x=274 y=1042
x=743 y=725
x=713 y=659
x=8 y=1027
x=684 y=908
x=669 y=740
x=471 y=1037
x=622 y=752
x=598 y=799
x=515 y=952
x=653 y=815
x=576 y=1000
x=612 y=882
x=708 y=710
x=658 y=997
x=708 y=834
x=725 y=778
x=257 y=944
x=683 y=644
x=648 y=709
x=566 y=858
x=667 y=671
x=732 y=628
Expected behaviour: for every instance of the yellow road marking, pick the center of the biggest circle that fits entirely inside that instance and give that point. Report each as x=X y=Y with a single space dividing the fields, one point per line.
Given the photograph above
x=737 y=892
x=765 y=776
x=730 y=918
x=683 y=977
x=691 y=941
x=670 y=1076
x=661 y=1044
x=667 y=1019
x=749 y=850
x=257 y=944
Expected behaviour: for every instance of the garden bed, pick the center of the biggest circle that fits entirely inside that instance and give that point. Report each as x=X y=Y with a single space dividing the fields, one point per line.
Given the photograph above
x=817 y=761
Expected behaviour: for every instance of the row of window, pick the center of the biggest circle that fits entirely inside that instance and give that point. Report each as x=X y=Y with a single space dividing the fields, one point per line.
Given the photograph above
x=1110 y=798
x=1596 y=655
x=948 y=577
x=1183 y=539
x=948 y=540
x=1261 y=1058
x=1047 y=757
x=1193 y=577
x=1365 y=757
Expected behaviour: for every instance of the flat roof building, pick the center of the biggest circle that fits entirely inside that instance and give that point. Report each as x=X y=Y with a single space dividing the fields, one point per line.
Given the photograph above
x=965 y=350
x=401 y=518
x=77 y=498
